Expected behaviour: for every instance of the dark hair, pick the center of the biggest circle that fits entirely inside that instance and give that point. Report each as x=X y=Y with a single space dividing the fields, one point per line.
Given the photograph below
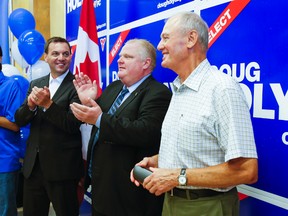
x=1 y=54
x=55 y=40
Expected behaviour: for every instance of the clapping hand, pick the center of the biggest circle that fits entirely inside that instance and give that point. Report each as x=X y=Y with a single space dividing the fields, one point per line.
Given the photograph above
x=86 y=89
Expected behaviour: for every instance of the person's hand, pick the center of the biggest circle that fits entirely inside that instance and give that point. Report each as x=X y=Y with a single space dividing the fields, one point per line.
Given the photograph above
x=43 y=95
x=147 y=163
x=39 y=97
x=86 y=114
x=161 y=180
x=31 y=101
x=85 y=88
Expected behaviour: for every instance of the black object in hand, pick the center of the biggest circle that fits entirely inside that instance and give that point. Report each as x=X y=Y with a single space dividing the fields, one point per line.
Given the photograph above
x=141 y=173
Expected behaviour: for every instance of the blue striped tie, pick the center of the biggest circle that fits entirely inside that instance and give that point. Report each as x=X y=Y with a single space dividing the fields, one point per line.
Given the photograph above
x=118 y=101
x=111 y=111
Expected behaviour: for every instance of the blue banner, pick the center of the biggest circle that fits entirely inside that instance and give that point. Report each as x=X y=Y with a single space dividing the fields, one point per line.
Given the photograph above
x=252 y=50
x=247 y=40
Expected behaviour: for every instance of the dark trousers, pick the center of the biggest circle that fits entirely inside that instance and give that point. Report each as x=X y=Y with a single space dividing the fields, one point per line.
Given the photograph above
x=38 y=193
x=95 y=213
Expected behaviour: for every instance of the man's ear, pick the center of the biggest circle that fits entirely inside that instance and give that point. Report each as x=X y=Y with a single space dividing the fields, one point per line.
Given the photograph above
x=192 y=38
x=147 y=63
x=45 y=57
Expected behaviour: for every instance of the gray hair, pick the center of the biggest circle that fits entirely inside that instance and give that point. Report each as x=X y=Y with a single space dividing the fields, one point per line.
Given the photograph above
x=188 y=21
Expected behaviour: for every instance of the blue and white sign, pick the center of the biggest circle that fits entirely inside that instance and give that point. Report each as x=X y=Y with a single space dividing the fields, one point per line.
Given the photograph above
x=248 y=40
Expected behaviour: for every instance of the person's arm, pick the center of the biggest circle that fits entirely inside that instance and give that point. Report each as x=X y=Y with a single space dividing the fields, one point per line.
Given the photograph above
x=228 y=174
x=86 y=114
x=26 y=112
x=5 y=123
x=232 y=173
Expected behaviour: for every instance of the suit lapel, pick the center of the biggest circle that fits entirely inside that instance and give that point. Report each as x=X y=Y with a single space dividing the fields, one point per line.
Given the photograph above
x=63 y=87
x=109 y=100
x=44 y=81
x=134 y=94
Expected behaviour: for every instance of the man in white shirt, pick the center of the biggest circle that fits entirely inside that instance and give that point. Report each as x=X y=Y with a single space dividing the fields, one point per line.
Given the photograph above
x=207 y=145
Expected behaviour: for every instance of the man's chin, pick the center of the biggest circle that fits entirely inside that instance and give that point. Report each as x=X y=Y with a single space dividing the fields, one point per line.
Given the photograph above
x=120 y=74
x=61 y=70
x=164 y=64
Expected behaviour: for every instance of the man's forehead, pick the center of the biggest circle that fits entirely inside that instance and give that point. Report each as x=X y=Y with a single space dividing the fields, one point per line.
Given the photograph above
x=58 y=46
x=129 y=48
x=171 y=27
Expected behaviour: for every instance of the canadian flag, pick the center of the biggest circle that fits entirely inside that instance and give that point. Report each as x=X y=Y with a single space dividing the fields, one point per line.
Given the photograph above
x=87 y=55
x=87 y=61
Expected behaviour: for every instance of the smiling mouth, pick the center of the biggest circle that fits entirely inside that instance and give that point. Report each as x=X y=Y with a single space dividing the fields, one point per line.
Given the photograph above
x=164 y=56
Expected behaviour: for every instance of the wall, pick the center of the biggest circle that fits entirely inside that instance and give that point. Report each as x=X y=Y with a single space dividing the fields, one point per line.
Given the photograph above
x=57 y=18
x=49 y=15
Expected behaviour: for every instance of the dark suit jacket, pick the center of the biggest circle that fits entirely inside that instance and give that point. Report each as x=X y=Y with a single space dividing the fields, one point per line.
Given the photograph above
x=54 y=133
x=132 y=133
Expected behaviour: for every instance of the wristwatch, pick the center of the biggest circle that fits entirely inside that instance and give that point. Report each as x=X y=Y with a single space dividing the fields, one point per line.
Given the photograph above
x=182 y=179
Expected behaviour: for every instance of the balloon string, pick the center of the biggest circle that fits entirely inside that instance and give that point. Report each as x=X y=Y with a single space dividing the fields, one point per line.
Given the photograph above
x=30 y=73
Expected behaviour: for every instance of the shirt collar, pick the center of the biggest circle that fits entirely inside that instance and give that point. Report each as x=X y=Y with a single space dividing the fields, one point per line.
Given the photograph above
x=135 y=85
x=59 y=79
x=194 y=80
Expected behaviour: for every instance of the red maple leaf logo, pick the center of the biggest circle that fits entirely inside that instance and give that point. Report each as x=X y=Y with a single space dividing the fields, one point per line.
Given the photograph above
x=90 y=69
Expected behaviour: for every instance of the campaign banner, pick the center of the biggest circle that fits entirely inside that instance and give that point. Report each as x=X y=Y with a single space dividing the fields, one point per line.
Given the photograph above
x=252 y=51
x=136 y=10
x=247 y=40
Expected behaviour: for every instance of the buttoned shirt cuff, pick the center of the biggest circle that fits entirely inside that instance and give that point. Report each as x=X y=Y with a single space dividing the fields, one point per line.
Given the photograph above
x=33 y=110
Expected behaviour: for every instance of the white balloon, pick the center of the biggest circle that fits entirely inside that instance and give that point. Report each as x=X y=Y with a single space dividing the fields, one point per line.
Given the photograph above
x=17 y=55
x=10 y=70
x=37 y=70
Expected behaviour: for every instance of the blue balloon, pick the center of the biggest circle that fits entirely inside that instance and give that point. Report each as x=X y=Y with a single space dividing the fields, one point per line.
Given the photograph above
x=21 y=20
x=31 y=46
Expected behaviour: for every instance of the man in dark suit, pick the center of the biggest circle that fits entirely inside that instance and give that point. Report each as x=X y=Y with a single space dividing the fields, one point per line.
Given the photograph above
x=53 y=162
x=126 y=136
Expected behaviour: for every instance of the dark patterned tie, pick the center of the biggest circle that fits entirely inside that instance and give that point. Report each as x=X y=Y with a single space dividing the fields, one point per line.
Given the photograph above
x=111 y=111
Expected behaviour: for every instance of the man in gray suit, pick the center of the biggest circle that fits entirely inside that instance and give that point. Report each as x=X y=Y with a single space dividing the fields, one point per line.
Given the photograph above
x=53 y=162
